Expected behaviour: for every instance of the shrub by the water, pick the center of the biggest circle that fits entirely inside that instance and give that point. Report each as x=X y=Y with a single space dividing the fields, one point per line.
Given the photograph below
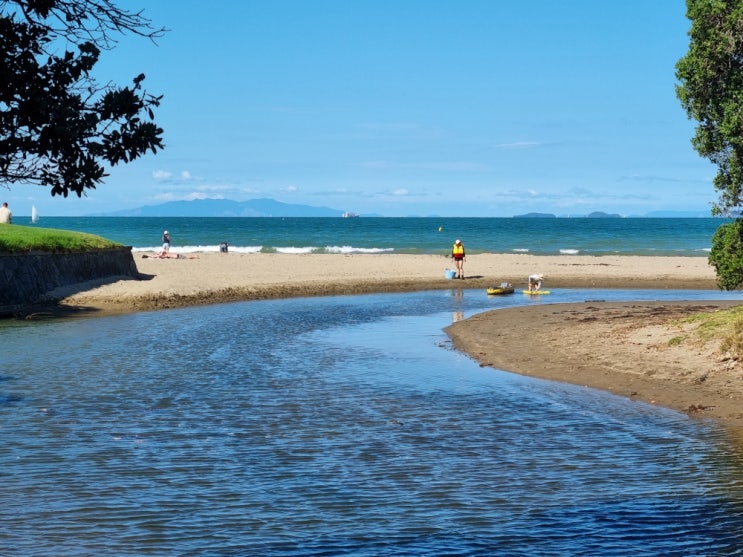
x=725 y=255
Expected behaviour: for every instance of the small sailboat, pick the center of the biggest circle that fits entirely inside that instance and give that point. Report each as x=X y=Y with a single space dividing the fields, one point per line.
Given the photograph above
x=34 y=214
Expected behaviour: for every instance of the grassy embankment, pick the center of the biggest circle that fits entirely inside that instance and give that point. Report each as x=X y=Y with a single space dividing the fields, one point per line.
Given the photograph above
x=725 y=326
x=23 y=239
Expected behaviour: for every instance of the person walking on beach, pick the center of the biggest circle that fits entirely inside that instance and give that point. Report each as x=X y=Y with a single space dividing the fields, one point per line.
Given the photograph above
x=6 y=217
x=457 y=254
x=166 y=243
x=535 y=282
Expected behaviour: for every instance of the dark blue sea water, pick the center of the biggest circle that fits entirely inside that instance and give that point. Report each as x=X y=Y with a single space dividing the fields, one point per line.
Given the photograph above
x=339 y=426
x=538 y=236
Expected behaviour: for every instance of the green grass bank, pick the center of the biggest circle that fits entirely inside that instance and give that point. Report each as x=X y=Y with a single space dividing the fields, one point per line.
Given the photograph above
x=23 y=239
x=35 y=263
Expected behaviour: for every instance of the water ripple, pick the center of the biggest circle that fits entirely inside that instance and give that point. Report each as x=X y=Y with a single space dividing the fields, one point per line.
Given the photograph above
x=309 y=429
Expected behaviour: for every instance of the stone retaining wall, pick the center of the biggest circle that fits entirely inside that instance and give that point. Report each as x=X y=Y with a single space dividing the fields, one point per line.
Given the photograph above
x=26 y=279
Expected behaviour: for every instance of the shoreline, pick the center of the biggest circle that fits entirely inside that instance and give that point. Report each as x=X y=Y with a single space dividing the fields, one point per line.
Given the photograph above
x=618 y=347
x=219 y=278
x=637 y=350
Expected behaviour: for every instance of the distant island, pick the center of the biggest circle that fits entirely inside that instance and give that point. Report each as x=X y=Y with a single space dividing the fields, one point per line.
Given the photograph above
x=602 y=215
x=536 y=216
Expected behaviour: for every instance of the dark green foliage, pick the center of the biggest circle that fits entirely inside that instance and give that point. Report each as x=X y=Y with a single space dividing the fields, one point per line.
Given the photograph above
x=726 y=255
x=711 y=92
x=58 y=126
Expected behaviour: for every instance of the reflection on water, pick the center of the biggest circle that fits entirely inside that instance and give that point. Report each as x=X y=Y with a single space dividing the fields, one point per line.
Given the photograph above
x=457 y=301
x=337 y=426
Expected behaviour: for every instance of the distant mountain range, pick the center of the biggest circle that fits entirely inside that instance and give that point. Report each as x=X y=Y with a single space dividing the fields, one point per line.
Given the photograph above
x=226 y=208
x=272 y=208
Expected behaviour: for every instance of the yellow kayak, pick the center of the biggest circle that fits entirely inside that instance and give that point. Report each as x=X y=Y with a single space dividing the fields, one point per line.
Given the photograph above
x=496 y=290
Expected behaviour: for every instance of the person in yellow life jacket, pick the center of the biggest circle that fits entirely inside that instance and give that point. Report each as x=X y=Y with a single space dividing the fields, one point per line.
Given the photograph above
x=457 y=253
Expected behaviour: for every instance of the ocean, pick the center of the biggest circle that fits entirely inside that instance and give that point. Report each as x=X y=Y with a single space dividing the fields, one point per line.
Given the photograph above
x=345 y=425
x=537 y=236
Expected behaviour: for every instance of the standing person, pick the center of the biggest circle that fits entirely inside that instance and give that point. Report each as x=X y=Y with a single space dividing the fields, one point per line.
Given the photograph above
x=457 y=253
x=6 y=217
x=166 y=243
x=535 y=282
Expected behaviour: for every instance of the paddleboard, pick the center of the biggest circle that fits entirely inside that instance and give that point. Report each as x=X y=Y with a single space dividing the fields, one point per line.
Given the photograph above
x=535 y=292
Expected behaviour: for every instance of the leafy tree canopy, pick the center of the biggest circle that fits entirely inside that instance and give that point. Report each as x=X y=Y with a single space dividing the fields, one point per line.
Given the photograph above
x=59 y=127
x=711 y=91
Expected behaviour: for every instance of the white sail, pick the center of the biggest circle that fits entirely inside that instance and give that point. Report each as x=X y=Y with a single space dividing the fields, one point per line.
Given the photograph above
x=34 y=214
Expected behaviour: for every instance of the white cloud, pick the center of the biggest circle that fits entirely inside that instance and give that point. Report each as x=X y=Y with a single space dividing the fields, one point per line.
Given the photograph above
x=200 y=195
x=161 y=174
x=165 y=197
x=165 y=175
x=216 y=187
x=186 y=196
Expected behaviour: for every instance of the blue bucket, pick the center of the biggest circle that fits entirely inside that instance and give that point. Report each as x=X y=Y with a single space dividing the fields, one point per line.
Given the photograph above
x=449 y=273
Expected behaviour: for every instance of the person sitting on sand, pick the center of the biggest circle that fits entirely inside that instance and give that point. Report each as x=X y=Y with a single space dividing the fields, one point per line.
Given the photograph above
x=535 y=282
x=162 y=255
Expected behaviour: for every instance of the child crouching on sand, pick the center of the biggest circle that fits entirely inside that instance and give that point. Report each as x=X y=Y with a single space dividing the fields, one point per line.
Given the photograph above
x=535 y=282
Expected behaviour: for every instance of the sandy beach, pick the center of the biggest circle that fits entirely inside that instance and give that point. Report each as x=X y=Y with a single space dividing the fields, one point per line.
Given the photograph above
x=215 y=278
x=619 y=347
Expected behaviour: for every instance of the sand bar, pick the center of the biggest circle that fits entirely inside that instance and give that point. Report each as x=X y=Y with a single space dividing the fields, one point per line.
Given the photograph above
x=620 y=347
x=632 y=349
x=214 y=277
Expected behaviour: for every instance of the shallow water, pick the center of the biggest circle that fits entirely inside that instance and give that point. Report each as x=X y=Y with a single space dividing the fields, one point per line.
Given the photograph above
x=339 y=426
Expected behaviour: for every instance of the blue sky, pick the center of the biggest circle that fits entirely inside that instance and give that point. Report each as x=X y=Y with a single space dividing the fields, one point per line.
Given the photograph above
x=409 y=107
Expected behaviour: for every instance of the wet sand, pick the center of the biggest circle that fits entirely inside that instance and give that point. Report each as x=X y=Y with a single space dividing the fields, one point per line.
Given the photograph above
x=632 y=349
x=623 y=348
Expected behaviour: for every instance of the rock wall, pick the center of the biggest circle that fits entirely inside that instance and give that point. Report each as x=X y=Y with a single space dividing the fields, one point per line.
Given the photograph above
x=26 y=279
